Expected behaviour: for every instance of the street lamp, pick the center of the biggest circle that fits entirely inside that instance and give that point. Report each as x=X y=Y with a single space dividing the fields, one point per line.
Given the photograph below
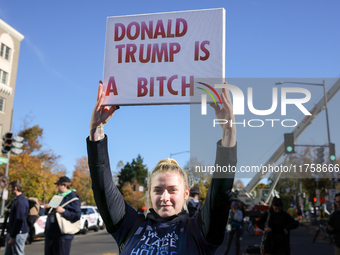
x=325 y=98
x=42 y=165
x=171 y=154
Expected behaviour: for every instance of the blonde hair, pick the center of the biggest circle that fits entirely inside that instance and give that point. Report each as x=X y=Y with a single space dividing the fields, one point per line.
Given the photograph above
x=167 y=165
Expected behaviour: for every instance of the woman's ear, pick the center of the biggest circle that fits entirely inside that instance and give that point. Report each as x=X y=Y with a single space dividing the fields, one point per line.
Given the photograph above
x=186 y=193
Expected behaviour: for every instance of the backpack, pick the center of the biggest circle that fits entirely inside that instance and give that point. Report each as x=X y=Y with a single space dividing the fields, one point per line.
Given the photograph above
x=33 y=210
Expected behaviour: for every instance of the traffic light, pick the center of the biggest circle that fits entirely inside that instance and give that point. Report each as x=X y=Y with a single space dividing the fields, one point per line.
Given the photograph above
x=17 y=144
x=332 y=152
x=289 y=143
x=320 y=155
x=7 y=143
x=11 y=143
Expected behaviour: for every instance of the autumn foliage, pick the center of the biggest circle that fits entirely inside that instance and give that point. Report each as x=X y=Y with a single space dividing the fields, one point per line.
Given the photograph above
x=135 y=198
x=35 y=168
x=81 y=181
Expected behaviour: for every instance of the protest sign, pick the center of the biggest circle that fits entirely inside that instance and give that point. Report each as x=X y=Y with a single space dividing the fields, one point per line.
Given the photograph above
x=157 y=58
x=55 y=201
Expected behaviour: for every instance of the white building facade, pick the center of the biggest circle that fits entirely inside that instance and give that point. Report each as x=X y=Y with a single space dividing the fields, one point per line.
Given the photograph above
x=10 y=40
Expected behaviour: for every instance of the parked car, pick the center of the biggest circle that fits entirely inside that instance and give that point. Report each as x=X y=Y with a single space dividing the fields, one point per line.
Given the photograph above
x=100 y=219
x=89 y=219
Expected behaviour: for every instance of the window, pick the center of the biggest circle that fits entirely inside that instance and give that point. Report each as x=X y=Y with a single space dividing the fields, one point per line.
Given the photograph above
x=5 y=51
x=2 y=104
x=3 y=76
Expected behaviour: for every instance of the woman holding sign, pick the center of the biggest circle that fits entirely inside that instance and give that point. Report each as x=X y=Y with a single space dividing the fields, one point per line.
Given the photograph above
x=167 y=228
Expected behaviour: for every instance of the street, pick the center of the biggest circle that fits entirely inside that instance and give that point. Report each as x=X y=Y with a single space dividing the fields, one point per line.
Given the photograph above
x=300 y=242
x=101 y=243
x=92 y=243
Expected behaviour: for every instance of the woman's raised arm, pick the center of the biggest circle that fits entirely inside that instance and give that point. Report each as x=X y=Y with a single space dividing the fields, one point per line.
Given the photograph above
x=100 y=115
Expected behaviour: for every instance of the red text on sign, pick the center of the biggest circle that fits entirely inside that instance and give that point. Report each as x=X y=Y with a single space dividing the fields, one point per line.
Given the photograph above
x=147 y=53
x=133 y=30
x=145 y=86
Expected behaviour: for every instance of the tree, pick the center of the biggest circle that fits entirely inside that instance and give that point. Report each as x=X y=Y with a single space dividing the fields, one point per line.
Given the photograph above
x=310 y=180
x=134 y=198
x=238 y=184
x=35 y=168
x=135 y=170
x=198 y=176
x=82 y=182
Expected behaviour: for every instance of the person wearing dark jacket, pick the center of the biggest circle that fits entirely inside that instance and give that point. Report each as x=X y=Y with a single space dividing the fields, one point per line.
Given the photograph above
x=194 y=205
x=167 y=228
x=57 y=243
x=277 y=225
x=234 y=228
x=17 y=229
x=334 y=225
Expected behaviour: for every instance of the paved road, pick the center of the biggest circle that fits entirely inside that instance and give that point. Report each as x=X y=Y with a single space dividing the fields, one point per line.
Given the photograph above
x=300 y=240
x=93 y=243
x=101 y=243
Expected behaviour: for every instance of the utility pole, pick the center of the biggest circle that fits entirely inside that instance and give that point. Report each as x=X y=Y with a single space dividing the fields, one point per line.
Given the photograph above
x=6 y=174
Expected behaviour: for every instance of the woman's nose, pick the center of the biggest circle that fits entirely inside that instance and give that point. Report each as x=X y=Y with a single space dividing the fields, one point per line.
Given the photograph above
x=165 y=196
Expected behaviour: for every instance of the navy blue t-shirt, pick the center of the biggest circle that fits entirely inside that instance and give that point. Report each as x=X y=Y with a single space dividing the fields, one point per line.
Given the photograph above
x=163 y=237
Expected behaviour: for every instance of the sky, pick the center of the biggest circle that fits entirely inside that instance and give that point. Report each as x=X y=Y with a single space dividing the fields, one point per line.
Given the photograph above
x=62 y=55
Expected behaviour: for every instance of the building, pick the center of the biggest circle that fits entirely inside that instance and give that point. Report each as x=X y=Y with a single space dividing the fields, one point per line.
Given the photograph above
x=9 y=56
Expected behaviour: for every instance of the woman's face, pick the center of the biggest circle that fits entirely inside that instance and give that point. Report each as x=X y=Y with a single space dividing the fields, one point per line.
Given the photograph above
x=168 y=193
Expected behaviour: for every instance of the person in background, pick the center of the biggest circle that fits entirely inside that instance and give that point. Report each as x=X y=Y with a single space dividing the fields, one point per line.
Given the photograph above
x=277 y=223
x=241 y=207
x=292 y=211
x=334 y=225
x=234 y=227
x=17 y=230
x=194 y=204
x=55 y=241
x=322 y=217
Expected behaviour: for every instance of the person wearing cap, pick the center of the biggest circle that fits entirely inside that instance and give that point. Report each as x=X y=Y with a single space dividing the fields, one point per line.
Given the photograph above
x=55 y=241
x=194 y=205
x=277 y=223
x=234 y=228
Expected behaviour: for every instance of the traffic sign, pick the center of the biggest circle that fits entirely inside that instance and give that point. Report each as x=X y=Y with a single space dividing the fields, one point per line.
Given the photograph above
x=3 y=182
x=5 y=194
x=3 y=160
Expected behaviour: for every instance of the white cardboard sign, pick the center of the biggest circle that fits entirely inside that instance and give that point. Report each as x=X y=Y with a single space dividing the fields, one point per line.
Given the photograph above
x=55 y=201
x=154 y=58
